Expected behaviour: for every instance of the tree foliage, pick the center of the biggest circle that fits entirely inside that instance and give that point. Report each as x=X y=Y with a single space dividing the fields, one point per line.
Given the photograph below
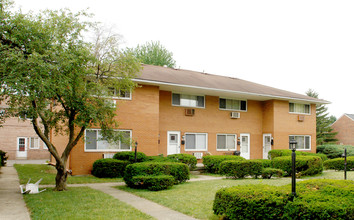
x=153 y=53
x=324 y=132
x=51 y=74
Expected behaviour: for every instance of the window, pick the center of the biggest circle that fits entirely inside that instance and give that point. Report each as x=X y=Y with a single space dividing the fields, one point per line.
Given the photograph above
x=121 y=94
x=196 y=142
x=2 y=112
x=187 y=100
x=299 y=108
x=232 y=104
x=226 y=142
x=95 y=142
x=33 y=143
x=303 y=141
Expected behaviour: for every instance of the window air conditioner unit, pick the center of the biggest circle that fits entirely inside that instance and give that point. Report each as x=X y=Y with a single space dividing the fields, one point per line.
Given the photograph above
x=189 y=112
x=300 y=118
x=235 y=114
x=108 y=155
x=198 y=155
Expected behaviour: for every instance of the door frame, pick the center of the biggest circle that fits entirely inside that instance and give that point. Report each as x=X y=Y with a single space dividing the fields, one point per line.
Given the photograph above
x=264 y=153
x=249 y=145
x=178 y=150
x=22 y=154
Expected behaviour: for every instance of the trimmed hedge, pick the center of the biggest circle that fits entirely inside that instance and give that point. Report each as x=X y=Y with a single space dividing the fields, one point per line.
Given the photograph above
x=188 y=159
x=335 y=151
x=280 y=153
x=153 y=183
x=179 y=171
x=338 y=163
x=267 y=173
x=3 y=158
x=305 y=165
x=316 y=199
x=109 y=168
x=241 y=169
x=265 y=162
x=212 y=162
x=130 y=156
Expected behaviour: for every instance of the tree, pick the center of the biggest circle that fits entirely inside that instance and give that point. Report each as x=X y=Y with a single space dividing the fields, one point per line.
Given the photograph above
x=153 y=53
x=62 y=82
x=324 y=132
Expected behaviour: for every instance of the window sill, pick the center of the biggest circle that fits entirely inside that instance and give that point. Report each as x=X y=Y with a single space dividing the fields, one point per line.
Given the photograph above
x=231 y=150
x=103 y=151
x=195 y=150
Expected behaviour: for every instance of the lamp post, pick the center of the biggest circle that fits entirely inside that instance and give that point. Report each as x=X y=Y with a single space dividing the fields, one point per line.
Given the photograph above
x=292 y=145
x=345 y=163
x=136 y=148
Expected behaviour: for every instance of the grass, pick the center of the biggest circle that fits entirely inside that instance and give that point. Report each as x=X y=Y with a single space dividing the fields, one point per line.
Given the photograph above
x=48 y=173
x=196 y=198
x=79 y=203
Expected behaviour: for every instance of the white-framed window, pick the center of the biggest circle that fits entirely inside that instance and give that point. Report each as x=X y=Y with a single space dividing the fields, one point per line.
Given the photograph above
x=188 y=100
x=33 y=142
x=196 y=141
x=232 y=104
x=120 y=94
x=299 y=108
x=95 y=142
x=303 y=141
x=225 y=142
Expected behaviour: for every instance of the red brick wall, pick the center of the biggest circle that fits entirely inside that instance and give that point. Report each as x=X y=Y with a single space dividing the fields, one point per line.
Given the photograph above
x=345 y=128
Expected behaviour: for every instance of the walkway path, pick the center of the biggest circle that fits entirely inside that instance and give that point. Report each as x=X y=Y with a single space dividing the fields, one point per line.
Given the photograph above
x=12 y=205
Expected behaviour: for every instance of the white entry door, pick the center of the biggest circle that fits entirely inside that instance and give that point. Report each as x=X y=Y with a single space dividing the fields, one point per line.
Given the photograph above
x=21 y=147
x=267 y=145
x=173 y=142
x=245 y=146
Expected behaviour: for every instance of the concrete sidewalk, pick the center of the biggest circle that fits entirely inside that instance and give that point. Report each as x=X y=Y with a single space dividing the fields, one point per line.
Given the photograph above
x=12 y=204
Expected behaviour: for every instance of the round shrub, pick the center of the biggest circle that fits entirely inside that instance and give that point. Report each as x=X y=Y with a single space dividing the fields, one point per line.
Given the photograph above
x=267 y=173
x=158 y=159
x=338 y=164
x=305 y=165
x=265 y=162
x=240 y=169
x=179 y=171
x=153 y=183
x=280 y=153
x=212 y=162
x=188 y=159
x=130 y=156
x=3 y=158
x=109 y=168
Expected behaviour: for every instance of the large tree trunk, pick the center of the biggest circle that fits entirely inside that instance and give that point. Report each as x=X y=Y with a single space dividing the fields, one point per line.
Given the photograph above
x=60 y=179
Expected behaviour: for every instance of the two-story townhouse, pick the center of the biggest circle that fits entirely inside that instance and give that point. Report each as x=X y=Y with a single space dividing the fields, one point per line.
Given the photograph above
x=181 y=111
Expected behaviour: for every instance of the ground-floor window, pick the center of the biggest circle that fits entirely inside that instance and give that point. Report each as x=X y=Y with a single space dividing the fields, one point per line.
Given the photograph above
x=303 y=141
x=33 y=143
x=196 y=141
x=226 y=142
x=95 y=142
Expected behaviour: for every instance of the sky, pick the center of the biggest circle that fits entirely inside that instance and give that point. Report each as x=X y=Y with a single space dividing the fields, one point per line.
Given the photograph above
x=290 y=45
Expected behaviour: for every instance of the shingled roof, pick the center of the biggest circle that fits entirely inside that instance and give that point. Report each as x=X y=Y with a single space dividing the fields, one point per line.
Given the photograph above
x=209 y=84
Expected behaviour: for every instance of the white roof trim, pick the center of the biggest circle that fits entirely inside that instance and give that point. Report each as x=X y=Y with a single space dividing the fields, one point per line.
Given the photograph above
x=229 y=91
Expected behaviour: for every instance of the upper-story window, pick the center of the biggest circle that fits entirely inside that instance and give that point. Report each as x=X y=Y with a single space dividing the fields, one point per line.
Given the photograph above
x=188 y=100
x=120 y=94
x=299 y=108
x=232 y=104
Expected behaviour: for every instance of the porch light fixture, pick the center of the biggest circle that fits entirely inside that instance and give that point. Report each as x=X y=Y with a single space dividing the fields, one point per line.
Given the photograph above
x=292 y=146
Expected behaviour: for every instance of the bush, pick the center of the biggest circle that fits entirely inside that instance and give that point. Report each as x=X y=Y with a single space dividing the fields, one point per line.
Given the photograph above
x=265 y=162
x=305 y=165
x=3 y=158
x=280 y=153
x=179 y=171
x=240 y=169
x=335 y=151
x=109 y=168
x=316 y=199
x=212 y=162
x=158 y=159
x=130 y=156
x=338 y=163
x=153 y=183
x=267 y=173
x=188 y=159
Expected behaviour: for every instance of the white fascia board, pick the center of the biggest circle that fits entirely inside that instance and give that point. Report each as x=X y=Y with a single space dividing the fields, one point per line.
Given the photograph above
x=254 y=95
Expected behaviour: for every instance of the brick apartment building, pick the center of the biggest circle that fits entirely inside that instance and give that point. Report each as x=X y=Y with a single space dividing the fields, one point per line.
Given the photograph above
x=345 y=128
x=182 y=111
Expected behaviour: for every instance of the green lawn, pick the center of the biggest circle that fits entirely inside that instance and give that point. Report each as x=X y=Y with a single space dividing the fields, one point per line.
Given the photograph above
x=48 y=173
x=79 y=203
x=196 y=198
